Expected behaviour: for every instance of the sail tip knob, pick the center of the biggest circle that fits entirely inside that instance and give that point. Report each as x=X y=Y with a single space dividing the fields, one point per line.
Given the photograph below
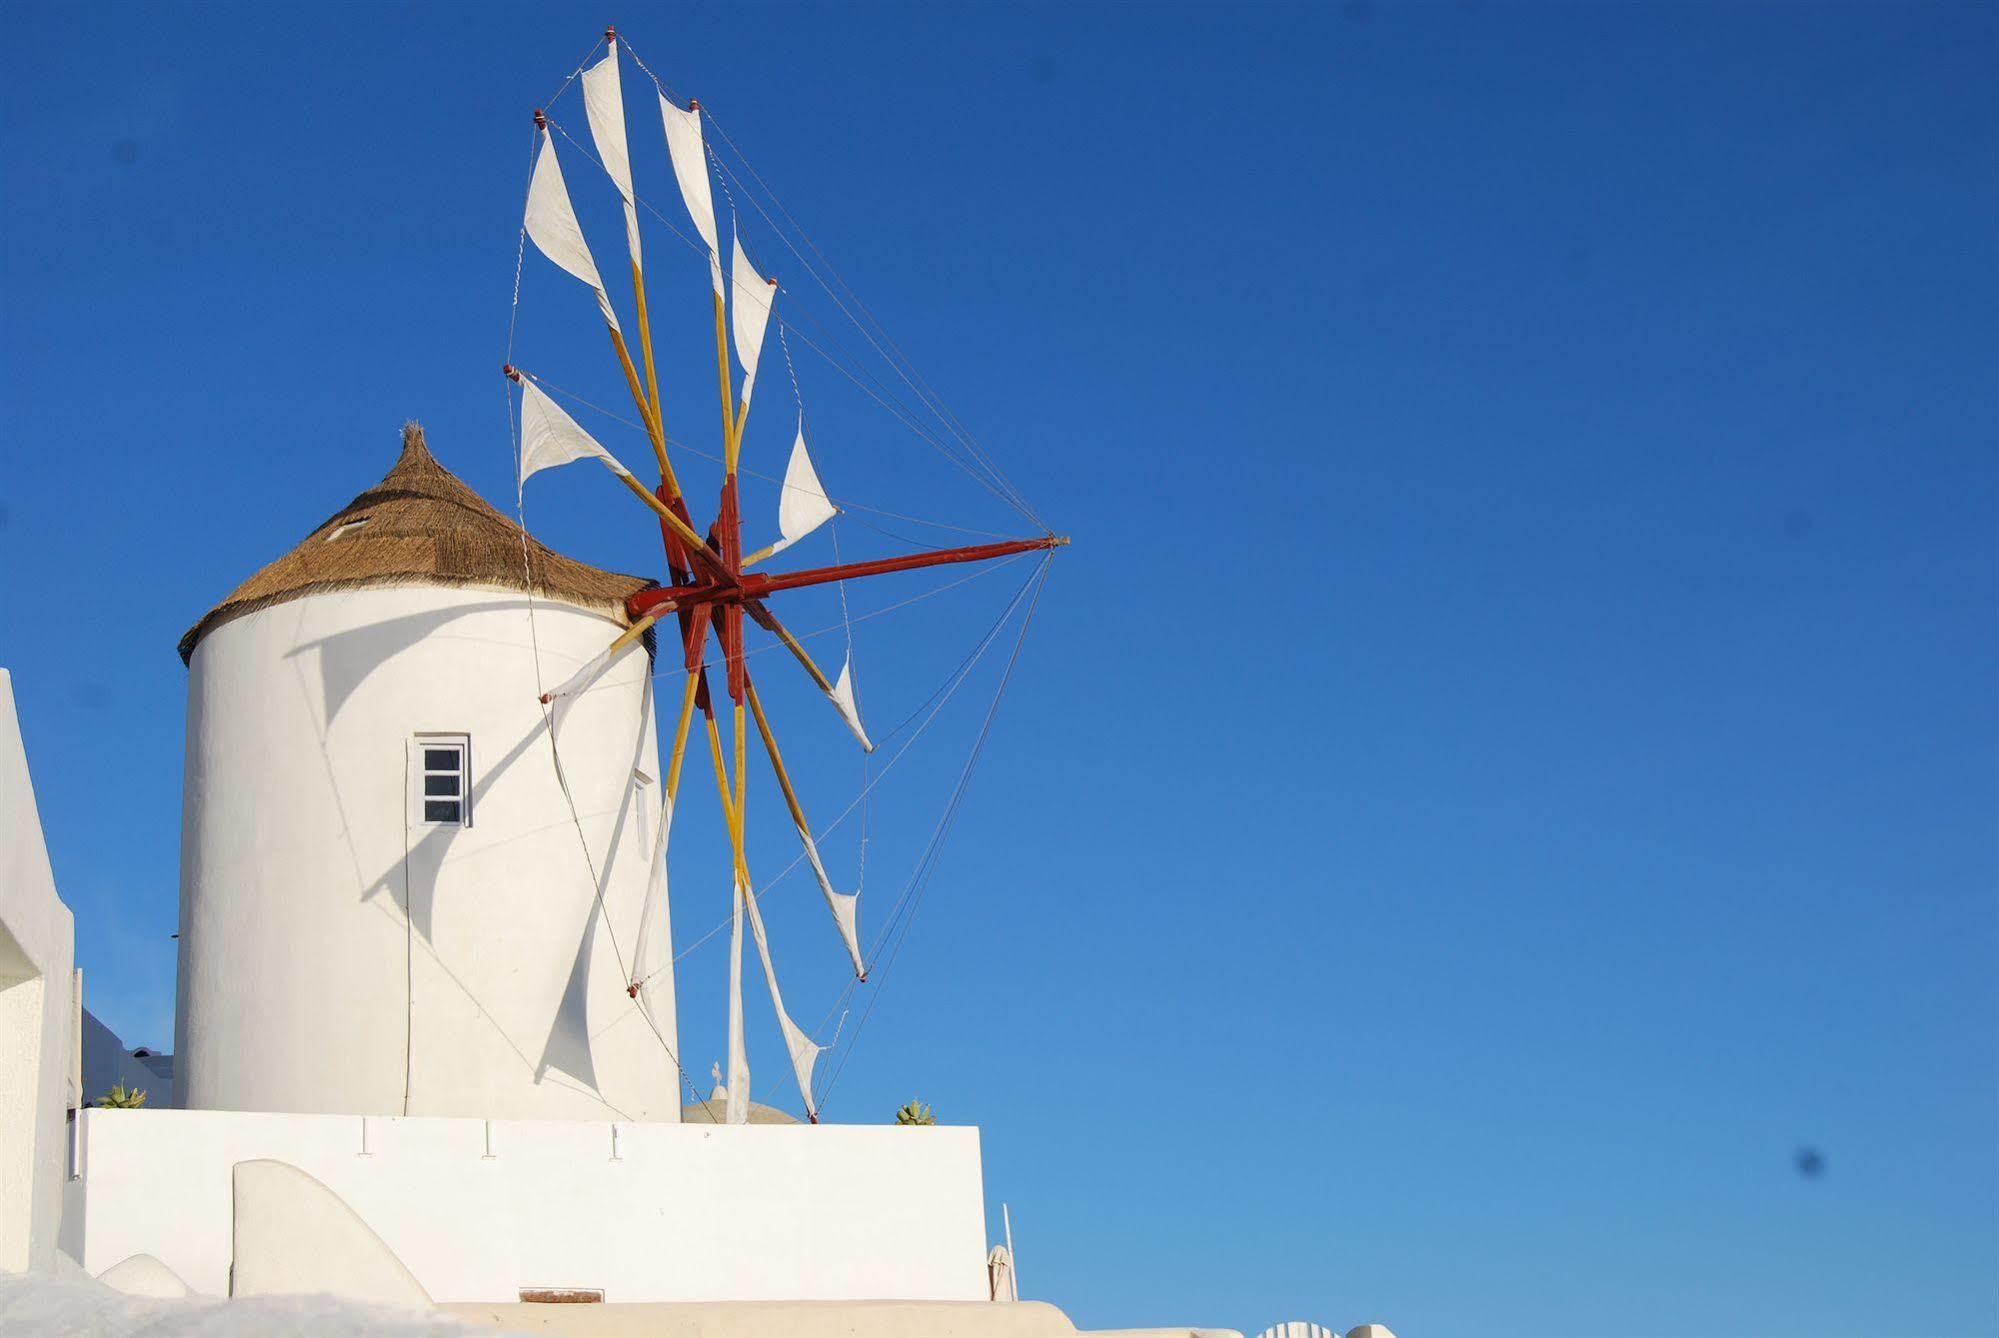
x=610 y=32
x=540 y=120
x=511 y=372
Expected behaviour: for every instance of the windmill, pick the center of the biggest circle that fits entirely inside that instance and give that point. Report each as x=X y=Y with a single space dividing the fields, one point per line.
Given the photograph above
x=715 y=583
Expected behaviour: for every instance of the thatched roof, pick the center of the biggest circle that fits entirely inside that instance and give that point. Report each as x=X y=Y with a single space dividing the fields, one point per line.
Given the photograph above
x=419 y=526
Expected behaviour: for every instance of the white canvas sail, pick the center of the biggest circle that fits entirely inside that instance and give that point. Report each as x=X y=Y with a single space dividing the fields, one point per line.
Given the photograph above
x=652 y=957
x=550 y=437
x=842 y=697
x=844 y=905
x=551 y=223
x=690 y=170
x=585 y=676
x=804 y=1054
x=736 y=1110
x=604 y=103
x=751 y=298
x=562 y=698
x=802 y=504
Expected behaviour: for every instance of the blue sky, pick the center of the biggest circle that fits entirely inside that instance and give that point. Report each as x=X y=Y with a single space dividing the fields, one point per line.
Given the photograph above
x=1510 y=757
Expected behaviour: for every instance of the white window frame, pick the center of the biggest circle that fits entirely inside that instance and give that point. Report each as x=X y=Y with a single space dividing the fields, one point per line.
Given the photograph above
x=418 y=770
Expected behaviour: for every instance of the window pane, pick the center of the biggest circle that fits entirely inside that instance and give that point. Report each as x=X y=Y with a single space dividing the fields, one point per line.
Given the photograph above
x=440 y=810
x=444 y=785
x=440 y=759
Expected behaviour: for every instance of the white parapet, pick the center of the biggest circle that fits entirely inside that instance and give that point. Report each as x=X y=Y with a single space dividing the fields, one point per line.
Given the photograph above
x=480 y=1211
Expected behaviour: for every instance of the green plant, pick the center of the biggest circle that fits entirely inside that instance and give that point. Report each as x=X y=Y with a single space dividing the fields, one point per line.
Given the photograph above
x=121 y=1097
x=915 y=1113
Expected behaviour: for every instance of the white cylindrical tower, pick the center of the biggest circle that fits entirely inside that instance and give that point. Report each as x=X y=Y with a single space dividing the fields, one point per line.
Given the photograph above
x=397 y=895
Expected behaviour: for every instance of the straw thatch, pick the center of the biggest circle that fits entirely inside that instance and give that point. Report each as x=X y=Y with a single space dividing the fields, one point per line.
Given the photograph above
x=419 y=526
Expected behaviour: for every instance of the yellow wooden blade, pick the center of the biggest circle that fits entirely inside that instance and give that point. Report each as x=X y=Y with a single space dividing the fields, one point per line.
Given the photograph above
x=680 y=734
x=777 y=629
x=728 y=405
x=655 y=422
x=777 y=763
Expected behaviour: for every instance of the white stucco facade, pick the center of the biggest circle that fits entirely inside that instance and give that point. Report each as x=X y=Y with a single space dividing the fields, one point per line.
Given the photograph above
x=478 y=1210
x=340 y=955
x=38 y=1012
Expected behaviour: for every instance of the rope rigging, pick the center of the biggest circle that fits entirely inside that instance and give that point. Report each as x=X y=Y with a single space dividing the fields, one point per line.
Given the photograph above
x=896 y=361
x=926 y=866
x=929 y=710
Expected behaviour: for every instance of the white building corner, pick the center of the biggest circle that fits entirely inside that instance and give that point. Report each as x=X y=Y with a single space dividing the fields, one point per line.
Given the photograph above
x=38 y=1017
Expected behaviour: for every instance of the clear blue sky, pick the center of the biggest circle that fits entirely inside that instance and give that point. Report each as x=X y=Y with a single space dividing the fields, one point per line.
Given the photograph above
x=1510 y=758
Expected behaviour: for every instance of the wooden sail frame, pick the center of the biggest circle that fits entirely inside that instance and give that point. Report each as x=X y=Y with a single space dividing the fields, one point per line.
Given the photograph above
x=710 y=585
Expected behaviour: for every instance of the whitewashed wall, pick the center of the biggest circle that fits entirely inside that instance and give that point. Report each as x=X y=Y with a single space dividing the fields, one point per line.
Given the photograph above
x=336 y=958
x=37 y=1015
x=644 y=1212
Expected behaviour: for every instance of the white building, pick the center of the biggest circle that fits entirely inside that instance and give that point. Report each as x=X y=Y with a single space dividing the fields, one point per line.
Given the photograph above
x=387 y=897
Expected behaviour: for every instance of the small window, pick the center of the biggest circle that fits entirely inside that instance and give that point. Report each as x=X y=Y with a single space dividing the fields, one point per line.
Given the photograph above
x=347 y=527
x=443 y=772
